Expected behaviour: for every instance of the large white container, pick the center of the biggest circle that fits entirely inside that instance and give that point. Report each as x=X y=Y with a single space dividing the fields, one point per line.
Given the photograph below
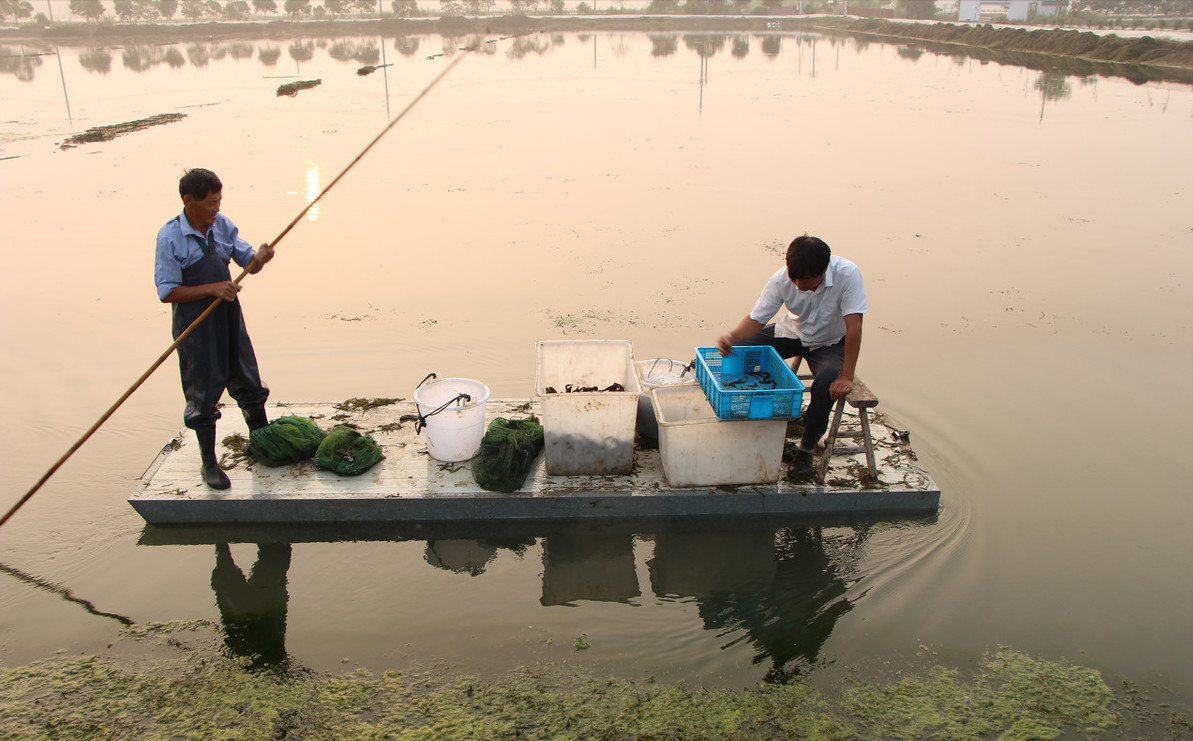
x=653 y=373
x=700 y=450
x=454 y=432
x=587 y=432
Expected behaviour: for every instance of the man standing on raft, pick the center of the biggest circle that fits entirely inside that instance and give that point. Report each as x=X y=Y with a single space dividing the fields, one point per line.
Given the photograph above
x=191 y=272
x=825 y=301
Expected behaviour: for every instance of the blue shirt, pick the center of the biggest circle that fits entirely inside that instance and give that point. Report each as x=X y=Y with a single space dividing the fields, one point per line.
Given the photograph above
x=179 y=245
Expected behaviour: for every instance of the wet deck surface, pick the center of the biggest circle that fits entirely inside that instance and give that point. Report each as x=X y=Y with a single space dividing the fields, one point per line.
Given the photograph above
x=410 y=486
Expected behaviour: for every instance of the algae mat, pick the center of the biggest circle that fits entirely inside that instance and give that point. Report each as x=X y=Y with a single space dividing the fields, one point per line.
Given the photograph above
x=174 y=681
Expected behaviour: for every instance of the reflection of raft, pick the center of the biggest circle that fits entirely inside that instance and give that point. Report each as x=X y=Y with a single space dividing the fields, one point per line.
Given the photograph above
x=410 y=486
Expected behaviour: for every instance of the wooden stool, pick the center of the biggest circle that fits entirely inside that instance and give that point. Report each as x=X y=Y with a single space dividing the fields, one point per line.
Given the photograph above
x=861 y=399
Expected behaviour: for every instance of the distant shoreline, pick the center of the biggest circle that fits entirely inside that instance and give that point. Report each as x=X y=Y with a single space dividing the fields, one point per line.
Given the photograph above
x=1052 y=49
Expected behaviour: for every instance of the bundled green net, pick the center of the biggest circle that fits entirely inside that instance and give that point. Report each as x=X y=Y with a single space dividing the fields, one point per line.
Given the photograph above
x=347 y=451
x=507 y=452
x=285 y=440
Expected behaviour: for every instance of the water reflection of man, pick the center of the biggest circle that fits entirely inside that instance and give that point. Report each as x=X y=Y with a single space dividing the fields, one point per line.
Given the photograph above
x=825 y=301
x=781 y=590
x=253 y=610
x=191 y=271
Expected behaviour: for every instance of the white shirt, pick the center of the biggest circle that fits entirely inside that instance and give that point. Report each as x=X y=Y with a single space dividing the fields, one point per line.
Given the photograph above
x=815 y=317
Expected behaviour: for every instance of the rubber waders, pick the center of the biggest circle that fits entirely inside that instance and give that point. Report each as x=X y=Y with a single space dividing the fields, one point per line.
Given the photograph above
x=255 y=418
x=213 y=475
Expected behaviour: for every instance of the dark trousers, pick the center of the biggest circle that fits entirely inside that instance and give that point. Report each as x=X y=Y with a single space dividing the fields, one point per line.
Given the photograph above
x=825 y=363
x=217 y=356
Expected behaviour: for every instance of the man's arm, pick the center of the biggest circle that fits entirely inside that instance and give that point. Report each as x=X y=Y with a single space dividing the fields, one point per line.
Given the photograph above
x=853 y=347
x=745 y=329
x=224 y=290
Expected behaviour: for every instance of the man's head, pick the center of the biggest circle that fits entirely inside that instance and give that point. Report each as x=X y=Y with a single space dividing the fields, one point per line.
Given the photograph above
x=201 y=192
x=807 y=260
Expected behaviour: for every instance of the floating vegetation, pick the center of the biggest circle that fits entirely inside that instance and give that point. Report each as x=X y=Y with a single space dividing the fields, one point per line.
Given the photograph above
x=369 y=69
x=292 y=88
x=107 y=133
x=176 y=683
x=358 y=404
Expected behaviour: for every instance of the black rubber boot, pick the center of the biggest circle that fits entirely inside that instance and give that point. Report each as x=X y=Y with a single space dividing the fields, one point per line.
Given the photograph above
x=801 y=466
x=255 y=418
x=213 y=475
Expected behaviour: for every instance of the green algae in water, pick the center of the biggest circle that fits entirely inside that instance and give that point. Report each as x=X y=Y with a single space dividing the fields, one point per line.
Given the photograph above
x=292 y=88
x=108 y=133
x=197 y=692
x=1014 y=697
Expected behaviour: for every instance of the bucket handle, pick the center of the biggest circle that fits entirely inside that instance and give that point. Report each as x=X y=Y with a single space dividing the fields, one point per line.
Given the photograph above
x=422 y=419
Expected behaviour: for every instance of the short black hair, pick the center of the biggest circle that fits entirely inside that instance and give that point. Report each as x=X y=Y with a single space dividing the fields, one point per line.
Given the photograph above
x=199 y=183
x=807 y=257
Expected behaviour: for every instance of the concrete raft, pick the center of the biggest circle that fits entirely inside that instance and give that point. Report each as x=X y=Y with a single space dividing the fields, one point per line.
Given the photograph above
x=410 y=486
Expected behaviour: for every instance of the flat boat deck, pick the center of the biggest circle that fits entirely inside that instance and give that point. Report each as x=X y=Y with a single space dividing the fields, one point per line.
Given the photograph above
x=410 y=486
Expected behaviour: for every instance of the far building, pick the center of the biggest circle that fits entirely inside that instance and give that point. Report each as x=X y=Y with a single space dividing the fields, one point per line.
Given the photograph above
x=1012 y=10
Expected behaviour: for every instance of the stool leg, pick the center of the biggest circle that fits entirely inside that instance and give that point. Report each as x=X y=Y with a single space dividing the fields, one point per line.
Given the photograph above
x=863 y=415
x=829 y=442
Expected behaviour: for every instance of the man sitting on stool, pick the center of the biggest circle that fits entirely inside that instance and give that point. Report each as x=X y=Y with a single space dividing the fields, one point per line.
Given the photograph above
x=825 y=301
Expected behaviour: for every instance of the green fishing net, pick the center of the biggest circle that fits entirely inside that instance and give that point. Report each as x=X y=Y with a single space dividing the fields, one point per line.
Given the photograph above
x=347 y=451
x=285 y=440
x=507 y=452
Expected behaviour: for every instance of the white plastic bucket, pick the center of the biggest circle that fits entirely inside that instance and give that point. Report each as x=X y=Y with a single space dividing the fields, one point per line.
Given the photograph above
x=454 y=432
x=656 y=373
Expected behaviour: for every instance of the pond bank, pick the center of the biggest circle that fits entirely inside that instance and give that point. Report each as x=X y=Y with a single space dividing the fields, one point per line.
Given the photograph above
x=184 y=683
x=1063 y=51
x=1144 y=57
x=1065 y=42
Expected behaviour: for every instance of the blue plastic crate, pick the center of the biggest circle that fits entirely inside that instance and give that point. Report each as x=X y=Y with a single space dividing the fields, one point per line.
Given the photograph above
x=782 y=402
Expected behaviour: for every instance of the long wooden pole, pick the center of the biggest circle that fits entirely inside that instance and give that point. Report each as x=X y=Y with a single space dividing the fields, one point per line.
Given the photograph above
x=187 y=332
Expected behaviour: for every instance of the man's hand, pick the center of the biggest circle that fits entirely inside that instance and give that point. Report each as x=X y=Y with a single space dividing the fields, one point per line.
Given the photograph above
x=840 y=388
x=263 y=255
x=224 y=290
x=744 y=330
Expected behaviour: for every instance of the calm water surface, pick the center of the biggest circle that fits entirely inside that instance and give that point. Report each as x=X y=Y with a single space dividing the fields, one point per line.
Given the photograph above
x=1025 y=238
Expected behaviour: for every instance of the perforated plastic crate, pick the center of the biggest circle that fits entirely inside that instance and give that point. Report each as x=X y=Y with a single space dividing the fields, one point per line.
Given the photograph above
x=781 y=402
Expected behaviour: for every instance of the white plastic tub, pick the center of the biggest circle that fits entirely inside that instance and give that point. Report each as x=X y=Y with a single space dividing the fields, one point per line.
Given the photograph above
x=700 y=450
x=587 y=432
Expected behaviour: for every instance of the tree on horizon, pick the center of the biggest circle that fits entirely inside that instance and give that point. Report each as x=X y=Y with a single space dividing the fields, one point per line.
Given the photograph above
x=88 y=9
